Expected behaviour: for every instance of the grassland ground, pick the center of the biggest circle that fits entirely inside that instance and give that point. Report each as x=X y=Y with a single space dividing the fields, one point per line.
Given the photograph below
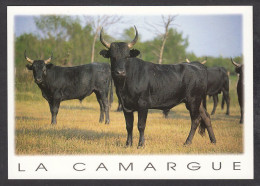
x=79 y=132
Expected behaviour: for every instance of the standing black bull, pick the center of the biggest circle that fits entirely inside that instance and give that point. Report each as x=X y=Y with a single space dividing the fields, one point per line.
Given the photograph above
x=65 y=83
x=240 y=86
x=218 y=81
x=142 y=85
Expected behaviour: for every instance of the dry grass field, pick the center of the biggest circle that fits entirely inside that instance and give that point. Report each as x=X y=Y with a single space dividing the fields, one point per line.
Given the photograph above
x=79 y=132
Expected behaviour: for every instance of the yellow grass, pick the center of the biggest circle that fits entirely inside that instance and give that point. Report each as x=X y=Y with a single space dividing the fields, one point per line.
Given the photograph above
x=79 y=132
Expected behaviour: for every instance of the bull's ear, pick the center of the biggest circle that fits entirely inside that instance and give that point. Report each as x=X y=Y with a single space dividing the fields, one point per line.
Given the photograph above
x=29 y=67
x=134 y=52
x=48 y=66
x=104 y=53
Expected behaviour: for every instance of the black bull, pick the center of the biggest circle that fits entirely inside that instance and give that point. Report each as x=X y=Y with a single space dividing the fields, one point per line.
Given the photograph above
x=218 y=81
x=142 y=85
x=240 y=88
x=65 y=83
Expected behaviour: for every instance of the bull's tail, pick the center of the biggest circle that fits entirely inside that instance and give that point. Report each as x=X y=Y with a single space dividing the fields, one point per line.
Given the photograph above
x=111 y=96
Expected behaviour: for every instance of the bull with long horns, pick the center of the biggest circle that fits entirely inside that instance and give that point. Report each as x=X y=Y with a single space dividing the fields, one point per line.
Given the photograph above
x=142 y=85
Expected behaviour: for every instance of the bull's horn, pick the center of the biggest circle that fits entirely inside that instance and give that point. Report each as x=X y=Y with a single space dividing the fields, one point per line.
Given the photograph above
x=28 y=59
x=48 y=60
x=203 y=62
x=187 y=60
x=130 y=45
x=106 y=44
x=236 y=64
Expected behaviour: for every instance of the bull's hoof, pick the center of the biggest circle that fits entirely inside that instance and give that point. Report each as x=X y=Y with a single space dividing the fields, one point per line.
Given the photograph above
x=227 y=113
x=213 y=142
x=141 y=146
x=54 y=123
x=107 y=122
x=128 y=144
x=212 y=113
x=187 y=143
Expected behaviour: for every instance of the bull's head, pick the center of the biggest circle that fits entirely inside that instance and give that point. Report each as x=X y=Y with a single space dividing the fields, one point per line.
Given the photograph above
x=239 y=67
x=119 y=53
x=39 y=68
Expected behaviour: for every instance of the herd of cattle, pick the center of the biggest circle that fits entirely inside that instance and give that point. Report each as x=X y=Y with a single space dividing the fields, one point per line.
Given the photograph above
x=139 y=85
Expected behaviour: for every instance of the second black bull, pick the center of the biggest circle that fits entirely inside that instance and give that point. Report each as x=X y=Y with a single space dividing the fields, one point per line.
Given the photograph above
x=65 y=83
x=142 y=85
x=218 y=81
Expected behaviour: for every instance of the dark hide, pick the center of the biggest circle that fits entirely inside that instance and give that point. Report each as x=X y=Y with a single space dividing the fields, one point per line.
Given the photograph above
x=142 y=85
x=240 y=91
x=119 y=108
x=65 y=83
x=218 y=81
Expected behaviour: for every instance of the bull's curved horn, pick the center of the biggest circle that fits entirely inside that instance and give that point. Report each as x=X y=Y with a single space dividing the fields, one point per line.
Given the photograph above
x=106 y=44
x=130 y=45
x=28 y=59
x=203 y=62
x=234 y=63
x=49 y=59
x=187 y=60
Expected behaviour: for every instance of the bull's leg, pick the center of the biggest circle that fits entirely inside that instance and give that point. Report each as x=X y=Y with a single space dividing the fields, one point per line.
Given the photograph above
x=166 y=113
x=195 y=120
x=129 y=119
x=104 y=99
x=204 y=100
x=54 y=108
x=227 y=100
x=101 y=117
x=223 y=102
x=142 y=116
x=206 y=122
x=215 y=100
x=242 y=114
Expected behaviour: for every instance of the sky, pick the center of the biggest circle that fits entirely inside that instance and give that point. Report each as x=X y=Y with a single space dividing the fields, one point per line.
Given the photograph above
x=208 y=35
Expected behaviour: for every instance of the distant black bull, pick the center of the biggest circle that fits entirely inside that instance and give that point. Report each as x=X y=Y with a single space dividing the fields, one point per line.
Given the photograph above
x=142 y=85
x=218 y=81
x=65 y=83
x=240 y=88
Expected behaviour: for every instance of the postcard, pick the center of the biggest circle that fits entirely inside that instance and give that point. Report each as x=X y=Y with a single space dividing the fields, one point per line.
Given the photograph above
x=120 y=92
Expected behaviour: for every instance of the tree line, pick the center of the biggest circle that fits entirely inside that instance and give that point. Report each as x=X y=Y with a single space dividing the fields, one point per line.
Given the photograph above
x=75 y=41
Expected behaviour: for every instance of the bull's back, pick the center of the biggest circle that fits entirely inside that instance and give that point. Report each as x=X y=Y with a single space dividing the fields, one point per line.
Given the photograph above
x=79 y=81
x=164 y=86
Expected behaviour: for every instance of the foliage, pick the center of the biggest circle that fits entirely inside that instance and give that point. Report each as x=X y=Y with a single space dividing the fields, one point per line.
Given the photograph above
x=70 y=40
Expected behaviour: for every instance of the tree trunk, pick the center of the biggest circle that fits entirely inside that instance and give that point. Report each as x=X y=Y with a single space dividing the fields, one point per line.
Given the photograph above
x=163 y=44
x=93 y=46
x=161 y=50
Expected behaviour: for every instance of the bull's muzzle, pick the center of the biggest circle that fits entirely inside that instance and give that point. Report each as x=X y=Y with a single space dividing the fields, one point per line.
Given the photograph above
x=38 y=80
x=120 y=73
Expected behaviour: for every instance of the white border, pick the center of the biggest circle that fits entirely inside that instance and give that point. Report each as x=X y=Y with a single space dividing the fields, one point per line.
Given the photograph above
x=60 y=167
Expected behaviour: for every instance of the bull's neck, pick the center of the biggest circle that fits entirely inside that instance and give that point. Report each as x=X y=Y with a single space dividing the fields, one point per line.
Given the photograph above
x=120 y=82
